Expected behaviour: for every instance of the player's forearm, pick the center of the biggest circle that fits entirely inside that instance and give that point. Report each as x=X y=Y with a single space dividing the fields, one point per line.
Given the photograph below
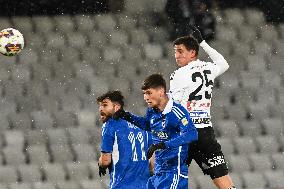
x=152 y=165
x=216 y=57
x=185 y=138
x=140 y=122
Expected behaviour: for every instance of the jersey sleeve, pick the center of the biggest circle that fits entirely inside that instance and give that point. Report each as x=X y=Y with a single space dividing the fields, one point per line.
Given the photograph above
x=187 y=130
x=141 y=122
x=219 y=65
x=108 y=136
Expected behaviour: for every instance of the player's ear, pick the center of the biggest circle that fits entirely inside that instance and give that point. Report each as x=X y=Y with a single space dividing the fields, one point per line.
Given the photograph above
x=161 y=91
x=192 y=53
x=117 y=107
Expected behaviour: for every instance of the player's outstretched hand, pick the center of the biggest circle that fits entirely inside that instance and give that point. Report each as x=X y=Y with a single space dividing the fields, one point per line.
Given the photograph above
x=155 y=147
x=122 y=114
x=102 y=170
x=195 y=32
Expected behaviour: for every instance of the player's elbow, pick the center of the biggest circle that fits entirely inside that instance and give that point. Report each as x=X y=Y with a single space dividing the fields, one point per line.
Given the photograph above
x=192 y=135
x=226 y=65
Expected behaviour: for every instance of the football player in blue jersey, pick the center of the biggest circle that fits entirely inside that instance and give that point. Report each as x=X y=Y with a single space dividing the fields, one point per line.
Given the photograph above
x=123 y=146
x=171 y=129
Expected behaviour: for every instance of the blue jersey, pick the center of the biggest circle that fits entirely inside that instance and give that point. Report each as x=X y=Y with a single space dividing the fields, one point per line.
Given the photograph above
x=174 y=127
x=128 y=145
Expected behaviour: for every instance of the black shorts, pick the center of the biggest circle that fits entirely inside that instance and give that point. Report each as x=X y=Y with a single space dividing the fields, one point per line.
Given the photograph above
x=207 y=153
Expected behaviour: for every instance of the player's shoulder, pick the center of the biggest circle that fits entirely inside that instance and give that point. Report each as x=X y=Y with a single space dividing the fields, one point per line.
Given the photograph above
x=180 y=73
x=115 y=123
x=179 y=111
x=183 y=69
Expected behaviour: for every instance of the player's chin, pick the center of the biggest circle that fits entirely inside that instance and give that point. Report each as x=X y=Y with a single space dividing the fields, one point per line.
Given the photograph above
x=104 y=118
x=150 y=104
x=180 y=63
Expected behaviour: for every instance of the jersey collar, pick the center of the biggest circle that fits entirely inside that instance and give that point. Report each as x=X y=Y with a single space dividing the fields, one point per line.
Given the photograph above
x=168 y=107
x=190 y=64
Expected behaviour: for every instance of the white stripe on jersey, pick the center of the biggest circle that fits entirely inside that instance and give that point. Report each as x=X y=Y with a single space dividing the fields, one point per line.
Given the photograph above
x=178 y=109
x=177 y=114
x=178 y=168
x=115 y=158
x=175 y=182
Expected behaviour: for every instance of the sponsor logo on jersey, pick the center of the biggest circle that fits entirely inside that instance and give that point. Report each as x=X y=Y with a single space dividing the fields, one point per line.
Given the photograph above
x=160 y=134
x=215 y=161
x=201 y=120
x=199 y=114
x=193 y=104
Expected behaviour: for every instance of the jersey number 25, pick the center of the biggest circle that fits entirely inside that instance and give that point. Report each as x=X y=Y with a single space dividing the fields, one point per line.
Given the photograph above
x=204 y=82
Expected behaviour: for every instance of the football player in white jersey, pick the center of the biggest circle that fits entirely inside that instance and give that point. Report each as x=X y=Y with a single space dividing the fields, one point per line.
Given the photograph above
x=191 y=85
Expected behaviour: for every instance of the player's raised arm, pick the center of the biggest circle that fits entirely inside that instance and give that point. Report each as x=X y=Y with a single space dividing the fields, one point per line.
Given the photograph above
x=216 y=57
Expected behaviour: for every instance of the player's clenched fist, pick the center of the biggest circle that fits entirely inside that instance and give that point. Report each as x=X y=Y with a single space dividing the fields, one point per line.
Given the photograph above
x=196 y=33
x=121 y=113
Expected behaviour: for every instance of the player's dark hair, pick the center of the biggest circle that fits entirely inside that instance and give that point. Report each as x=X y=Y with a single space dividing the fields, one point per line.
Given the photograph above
x=154 y=81
x=189 y=42
x=114 y=96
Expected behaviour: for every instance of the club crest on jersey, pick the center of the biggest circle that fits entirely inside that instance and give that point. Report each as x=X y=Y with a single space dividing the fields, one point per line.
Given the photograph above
x=184 y=121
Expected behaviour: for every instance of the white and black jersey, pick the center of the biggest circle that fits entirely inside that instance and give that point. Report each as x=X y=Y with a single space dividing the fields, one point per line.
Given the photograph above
x=192 y=84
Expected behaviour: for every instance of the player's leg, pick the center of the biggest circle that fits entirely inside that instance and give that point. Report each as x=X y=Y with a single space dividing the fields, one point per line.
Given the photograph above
x=210 y=159
x=224 y=182
x=219 y=175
